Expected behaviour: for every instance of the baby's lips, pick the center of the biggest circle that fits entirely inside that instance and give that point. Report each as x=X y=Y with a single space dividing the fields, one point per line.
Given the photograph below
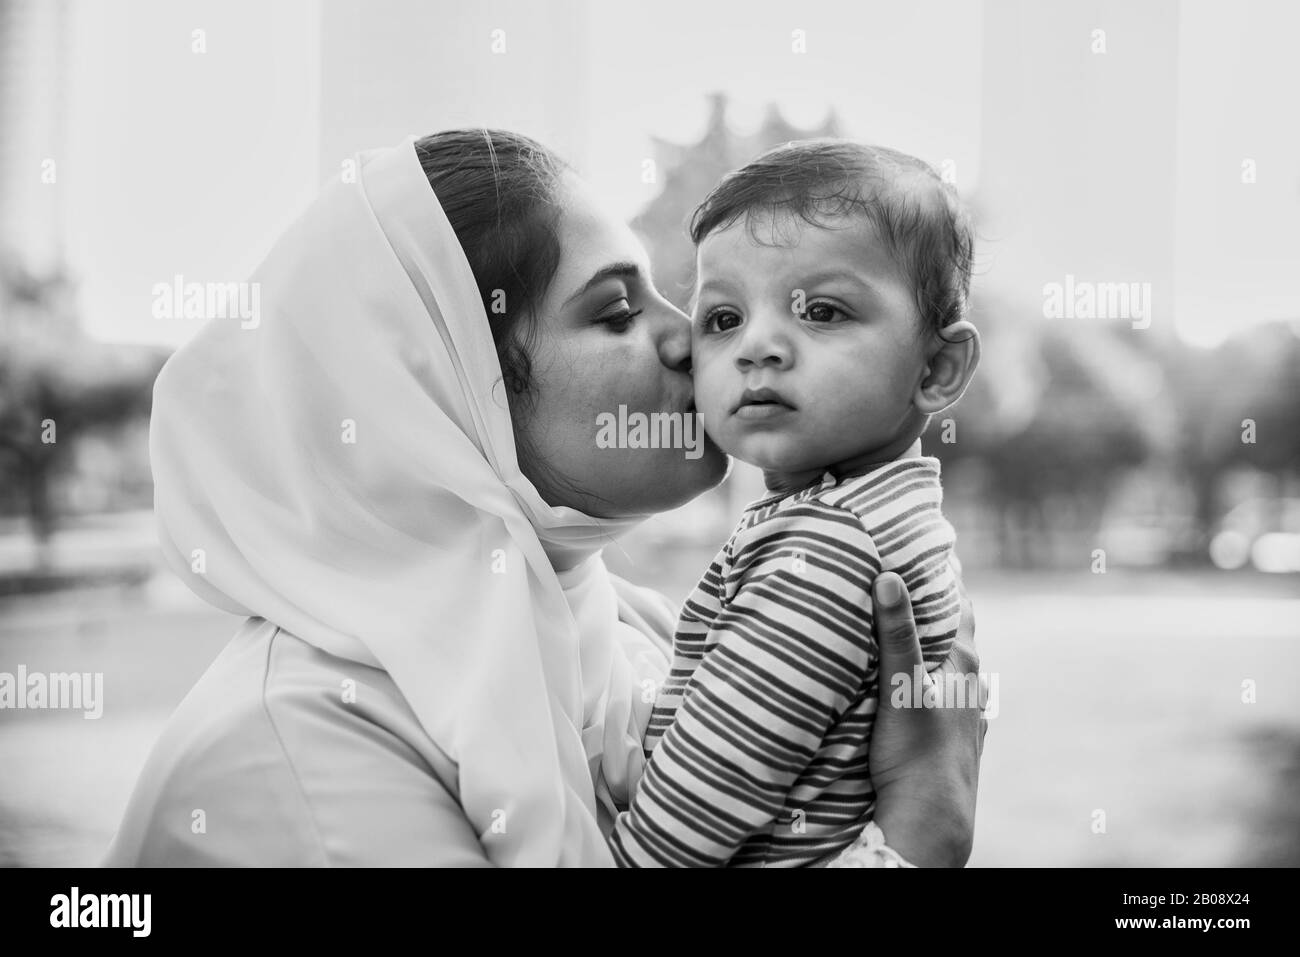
x=762 y=395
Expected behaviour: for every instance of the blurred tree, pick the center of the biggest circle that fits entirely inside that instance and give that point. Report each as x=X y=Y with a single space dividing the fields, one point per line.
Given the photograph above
x=1240 y=405
x=56 y=385
x=1054 y=417
x=688 y=172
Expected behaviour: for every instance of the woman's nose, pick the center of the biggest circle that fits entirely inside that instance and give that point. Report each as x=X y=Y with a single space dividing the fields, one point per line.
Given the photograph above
x=763 y=342
x=675 y=339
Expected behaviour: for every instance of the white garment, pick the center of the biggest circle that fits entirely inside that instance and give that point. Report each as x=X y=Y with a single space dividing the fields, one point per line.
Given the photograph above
x=346 y=470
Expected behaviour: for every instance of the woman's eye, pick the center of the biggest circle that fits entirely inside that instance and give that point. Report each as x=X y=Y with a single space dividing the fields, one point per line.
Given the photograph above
x=822 y=312
x=620 y=320
x=721 y=320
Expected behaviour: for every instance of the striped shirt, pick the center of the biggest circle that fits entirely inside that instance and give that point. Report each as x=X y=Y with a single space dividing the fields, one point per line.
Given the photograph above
x=758 y=741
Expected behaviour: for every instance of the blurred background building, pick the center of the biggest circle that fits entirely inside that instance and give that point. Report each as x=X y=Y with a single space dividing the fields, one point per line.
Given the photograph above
x=1126 y=490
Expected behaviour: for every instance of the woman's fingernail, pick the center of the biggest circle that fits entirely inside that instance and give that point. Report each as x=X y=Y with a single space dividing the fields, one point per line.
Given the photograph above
x=888 y=591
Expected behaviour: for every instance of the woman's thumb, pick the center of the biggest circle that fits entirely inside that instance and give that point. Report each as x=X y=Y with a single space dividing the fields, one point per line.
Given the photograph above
x=900 y=648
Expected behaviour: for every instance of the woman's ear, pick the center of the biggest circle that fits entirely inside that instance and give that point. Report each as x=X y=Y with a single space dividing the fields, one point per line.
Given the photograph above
x=949 y=370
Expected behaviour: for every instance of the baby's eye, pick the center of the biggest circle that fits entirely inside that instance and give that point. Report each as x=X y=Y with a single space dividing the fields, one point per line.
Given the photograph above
x=822 y=312
x=721 y=320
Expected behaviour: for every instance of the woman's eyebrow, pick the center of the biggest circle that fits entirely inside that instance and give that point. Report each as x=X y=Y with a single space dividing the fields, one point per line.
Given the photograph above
x=619 y=270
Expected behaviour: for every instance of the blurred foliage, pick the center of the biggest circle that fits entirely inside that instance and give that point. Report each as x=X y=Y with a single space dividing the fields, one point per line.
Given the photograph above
x=51 y=374
x=1251 y=379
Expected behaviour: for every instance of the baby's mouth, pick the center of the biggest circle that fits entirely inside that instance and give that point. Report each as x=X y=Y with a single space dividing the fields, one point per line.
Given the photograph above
x=759 y=403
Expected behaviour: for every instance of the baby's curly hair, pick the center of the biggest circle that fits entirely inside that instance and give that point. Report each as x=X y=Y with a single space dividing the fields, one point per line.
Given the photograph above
x=917 y=214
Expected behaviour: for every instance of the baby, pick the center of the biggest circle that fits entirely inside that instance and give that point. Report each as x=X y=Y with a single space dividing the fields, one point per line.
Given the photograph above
x=829 y=326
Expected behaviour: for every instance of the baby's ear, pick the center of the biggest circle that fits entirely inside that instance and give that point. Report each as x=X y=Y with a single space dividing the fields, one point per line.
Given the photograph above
x=954 y=356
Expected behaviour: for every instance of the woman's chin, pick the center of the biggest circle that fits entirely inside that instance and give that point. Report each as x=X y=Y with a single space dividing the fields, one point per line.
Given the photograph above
x=702 y=474
x=674 y=481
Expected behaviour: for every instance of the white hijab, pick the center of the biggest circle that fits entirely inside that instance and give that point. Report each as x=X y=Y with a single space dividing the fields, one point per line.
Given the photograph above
x=346 y=470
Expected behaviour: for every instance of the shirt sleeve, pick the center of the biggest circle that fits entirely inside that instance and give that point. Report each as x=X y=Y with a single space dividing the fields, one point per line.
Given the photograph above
x=783 y=659
x=920 y=553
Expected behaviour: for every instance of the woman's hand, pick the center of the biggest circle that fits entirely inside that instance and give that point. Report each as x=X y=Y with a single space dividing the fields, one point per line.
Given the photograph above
x=924 y=761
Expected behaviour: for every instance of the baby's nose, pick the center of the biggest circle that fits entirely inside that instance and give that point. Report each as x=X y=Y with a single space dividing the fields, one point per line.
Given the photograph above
x=765 y=343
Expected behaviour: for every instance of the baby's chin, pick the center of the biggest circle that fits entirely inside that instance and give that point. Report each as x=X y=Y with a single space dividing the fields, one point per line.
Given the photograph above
x=767 y=454
x=783 y=458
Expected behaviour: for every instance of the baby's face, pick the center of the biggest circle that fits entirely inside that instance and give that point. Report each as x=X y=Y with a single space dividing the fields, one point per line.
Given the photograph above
x=806 y=353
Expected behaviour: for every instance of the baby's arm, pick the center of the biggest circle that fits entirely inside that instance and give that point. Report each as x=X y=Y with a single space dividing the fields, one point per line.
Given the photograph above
x=923 y=561
x=785 y=658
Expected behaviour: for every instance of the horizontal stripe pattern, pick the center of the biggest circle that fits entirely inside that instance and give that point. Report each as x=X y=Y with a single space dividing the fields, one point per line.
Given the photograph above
x=758 y=741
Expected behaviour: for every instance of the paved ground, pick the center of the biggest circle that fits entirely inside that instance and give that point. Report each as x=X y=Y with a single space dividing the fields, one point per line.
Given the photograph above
x=1119 y=693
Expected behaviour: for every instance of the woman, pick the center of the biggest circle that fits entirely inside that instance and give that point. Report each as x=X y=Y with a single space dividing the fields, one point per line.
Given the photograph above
x=392 y=473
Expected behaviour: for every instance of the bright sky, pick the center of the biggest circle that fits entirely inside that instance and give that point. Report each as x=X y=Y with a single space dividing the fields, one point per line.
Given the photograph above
x=191 y=164
x=182 y=162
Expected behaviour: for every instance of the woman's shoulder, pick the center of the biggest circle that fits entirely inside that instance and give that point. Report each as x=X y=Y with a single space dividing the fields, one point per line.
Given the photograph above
x=283 y=754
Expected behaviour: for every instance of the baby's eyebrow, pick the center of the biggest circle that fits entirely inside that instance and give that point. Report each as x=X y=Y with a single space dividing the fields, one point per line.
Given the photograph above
x=699 y=289
x=710 y=285
x=832 y=276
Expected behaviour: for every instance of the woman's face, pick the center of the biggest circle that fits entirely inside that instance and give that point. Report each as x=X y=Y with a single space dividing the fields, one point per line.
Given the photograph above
x=606 y=338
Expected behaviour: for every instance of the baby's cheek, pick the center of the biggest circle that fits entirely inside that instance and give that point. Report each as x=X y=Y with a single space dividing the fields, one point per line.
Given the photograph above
x=710 y=389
